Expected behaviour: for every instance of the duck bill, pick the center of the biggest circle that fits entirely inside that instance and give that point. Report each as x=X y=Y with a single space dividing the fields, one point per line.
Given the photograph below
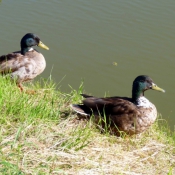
x=155 y=87
x=43 y=46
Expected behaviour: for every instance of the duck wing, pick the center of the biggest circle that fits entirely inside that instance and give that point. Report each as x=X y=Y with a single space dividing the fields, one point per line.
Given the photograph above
x=12 y=62
x=120 y=110
x=111 y=105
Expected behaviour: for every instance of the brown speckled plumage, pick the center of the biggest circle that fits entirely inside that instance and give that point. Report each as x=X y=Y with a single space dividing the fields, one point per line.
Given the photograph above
x=26 y=64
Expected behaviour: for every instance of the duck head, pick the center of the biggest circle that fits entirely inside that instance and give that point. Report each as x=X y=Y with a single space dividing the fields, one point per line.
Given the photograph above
x=141 y=84
x=29 y=40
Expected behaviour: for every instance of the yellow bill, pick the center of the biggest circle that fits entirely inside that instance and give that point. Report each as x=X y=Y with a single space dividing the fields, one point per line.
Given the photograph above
x=155 y=87
x=43 y=46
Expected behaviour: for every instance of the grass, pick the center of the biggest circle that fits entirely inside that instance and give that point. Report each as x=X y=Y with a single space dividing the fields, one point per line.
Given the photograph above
x=40 y=135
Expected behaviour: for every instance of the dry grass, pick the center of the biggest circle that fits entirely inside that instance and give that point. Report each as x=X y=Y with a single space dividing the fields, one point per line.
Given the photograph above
x=45 y=137
x=75 y=147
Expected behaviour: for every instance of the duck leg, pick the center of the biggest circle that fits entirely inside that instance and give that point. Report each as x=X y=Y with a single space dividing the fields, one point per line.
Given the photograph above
x=20 y=87
x=26 y=91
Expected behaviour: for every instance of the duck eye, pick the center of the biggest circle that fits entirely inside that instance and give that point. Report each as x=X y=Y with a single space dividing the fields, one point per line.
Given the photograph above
x=29 y=41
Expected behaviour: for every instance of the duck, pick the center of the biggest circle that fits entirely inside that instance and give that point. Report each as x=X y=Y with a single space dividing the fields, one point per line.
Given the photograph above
x=26 y=64
x=127 y=115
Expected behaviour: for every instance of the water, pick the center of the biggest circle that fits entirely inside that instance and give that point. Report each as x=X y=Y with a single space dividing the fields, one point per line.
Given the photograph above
x=86 y=37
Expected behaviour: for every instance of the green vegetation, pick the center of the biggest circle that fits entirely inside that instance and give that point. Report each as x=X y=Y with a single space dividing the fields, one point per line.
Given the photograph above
x=40 y=135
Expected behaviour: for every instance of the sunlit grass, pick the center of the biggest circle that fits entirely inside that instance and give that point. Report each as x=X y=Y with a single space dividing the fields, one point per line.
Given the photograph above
x=39 y=134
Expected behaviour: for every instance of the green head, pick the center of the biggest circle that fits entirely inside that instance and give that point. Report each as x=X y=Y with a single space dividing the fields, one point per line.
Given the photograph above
x=30 y=40
x=141 y=84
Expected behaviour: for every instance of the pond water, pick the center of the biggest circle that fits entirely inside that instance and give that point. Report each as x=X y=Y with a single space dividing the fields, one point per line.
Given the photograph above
x=86 y=38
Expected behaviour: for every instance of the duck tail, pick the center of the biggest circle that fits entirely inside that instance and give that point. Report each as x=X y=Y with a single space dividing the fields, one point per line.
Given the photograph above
x=80 y=109
x=86 y=96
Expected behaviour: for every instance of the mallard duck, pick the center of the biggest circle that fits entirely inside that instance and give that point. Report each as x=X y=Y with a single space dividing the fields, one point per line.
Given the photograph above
x=25 y=64
x=129 y=115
